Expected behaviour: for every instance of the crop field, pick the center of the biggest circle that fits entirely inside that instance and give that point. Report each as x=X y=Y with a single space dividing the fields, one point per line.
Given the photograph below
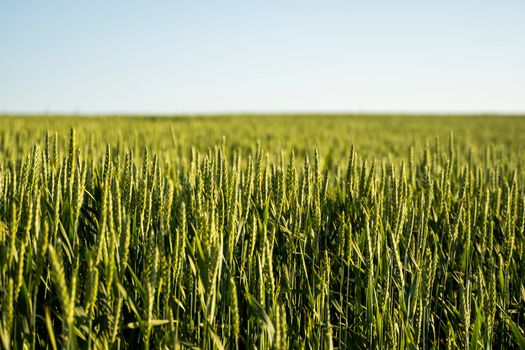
x=262 y=232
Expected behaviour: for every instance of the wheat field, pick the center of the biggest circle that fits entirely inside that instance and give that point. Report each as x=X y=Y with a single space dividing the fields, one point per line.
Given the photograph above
x=283 y=232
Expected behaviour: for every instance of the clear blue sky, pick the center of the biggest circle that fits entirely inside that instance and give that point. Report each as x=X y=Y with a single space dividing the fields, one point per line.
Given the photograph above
x=258 y=56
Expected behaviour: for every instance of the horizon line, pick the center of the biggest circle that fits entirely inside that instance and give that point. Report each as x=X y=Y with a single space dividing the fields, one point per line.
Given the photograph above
x=256 y=113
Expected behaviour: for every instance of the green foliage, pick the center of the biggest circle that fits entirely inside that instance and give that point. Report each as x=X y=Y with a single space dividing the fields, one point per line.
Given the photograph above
x=290 y=232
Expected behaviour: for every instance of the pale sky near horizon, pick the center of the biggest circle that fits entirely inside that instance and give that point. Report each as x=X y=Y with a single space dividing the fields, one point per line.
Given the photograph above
x=262 y=56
